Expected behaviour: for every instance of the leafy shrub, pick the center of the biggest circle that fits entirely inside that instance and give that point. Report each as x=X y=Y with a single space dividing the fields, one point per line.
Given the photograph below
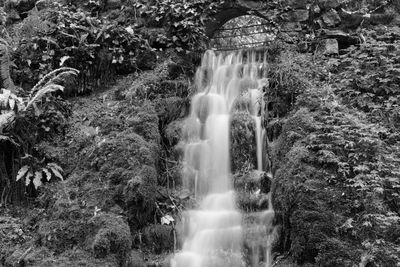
x=67 y=36
x=24 y=121
x=184 y=21
x=369 y=77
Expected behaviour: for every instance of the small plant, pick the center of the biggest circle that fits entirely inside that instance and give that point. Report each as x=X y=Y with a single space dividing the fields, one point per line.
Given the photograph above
x=51 y=170
x=26 y=120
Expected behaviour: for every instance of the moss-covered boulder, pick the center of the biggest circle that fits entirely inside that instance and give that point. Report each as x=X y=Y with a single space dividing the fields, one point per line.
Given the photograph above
x=243 y=142
x=139 y=197
x=112 y=236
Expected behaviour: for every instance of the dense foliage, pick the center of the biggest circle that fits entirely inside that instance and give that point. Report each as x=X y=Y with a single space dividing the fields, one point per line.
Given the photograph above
x=184 y=21
x=74 y=37
x=24 y=121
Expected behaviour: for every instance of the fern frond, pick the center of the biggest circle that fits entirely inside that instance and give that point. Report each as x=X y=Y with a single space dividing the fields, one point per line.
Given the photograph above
x=46 y=79
x=42 y=92
x=61 y=77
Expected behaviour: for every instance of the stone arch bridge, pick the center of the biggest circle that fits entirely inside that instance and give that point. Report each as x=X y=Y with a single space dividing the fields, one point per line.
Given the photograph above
x=329 y=21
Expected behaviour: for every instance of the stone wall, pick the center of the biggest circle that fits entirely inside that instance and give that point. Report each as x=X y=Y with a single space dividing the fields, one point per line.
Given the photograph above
x=328 y=23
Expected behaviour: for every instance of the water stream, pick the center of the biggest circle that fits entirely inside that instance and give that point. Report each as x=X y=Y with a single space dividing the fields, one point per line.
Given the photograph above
x=226 y=83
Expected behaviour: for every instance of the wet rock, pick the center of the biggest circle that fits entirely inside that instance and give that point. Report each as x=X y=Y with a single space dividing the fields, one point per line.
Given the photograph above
x=329 y=47
x=243 y=142
x=331 y=18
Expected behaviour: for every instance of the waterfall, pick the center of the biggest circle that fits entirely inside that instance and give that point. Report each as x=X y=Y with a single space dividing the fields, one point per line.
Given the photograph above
x=226 y=83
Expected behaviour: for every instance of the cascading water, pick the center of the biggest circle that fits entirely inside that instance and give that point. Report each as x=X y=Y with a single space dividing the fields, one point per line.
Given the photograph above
x=214 y=231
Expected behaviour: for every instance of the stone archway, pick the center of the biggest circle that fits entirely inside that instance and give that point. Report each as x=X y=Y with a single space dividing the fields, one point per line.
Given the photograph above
x=329 y=21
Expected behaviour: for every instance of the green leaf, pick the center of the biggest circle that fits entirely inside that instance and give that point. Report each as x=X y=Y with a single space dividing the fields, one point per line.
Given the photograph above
x=28 y=178
x=55 y=166
x=47 y=173
x=57 y=173
x=37 y=181
x=22 y=172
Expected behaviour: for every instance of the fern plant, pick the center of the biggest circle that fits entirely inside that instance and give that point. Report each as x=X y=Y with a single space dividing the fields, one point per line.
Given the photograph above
x=18 y=114
x=28 y=172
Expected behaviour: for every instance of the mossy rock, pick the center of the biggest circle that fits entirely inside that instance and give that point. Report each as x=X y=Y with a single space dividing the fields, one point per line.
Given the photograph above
x=112 y=236
x=140 y=196
x=170 y=109
x=243 y=142
x=173 y=132
x=126 y=150
x=145 y=123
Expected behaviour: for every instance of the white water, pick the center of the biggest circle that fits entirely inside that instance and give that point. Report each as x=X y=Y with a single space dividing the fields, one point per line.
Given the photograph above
x=214 y=235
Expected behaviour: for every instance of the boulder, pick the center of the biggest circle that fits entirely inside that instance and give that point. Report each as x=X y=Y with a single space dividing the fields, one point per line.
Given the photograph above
x=344 y=39
x=139 y=196
x=331 y=18
x=299 y=15
x=291 y=26
x=112 y=236
x=329 y=47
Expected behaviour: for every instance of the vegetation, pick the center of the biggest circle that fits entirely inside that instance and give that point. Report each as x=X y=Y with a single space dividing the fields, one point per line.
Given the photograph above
x=26 y=120
x=332 y=122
